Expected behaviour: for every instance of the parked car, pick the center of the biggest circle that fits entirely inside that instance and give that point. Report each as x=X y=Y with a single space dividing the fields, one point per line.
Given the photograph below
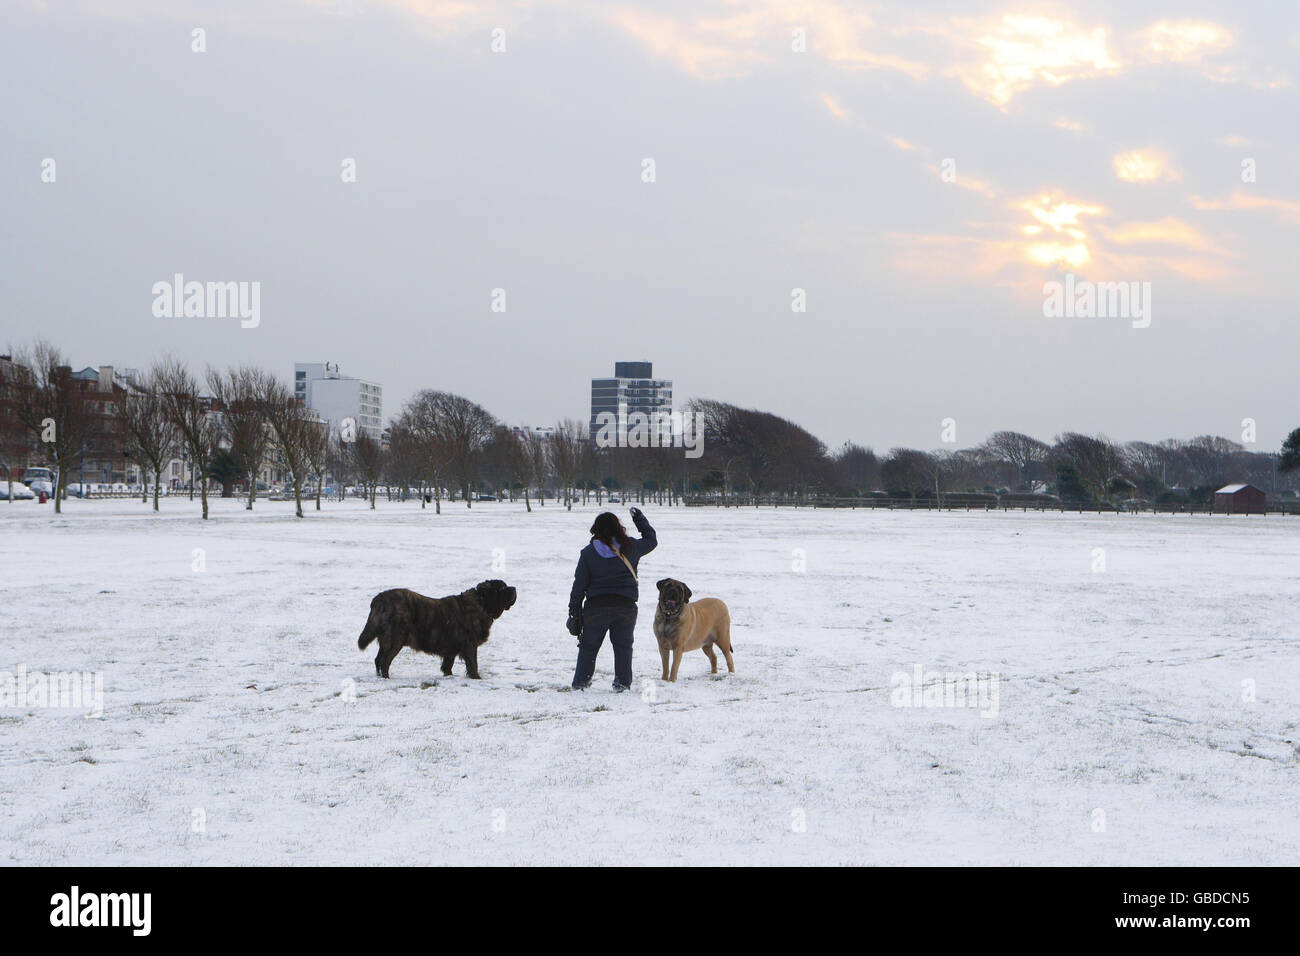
x=615 y=500
x=38 y=480
x=485 y=497
x=21 y=491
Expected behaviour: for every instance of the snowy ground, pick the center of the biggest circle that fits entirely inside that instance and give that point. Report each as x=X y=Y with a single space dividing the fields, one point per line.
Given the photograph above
x=1123 y=694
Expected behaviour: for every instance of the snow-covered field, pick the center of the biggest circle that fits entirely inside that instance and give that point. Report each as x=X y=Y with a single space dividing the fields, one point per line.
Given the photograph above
x=1146 y=713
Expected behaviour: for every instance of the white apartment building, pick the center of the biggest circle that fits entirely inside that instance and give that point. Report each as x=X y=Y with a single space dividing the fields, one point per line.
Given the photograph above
x=335 y=396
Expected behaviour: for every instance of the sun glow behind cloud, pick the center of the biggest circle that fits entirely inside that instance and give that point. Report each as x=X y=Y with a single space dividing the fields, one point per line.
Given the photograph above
x=1059 y=237
x=1185 y=41
x=1017 y=60
x=1000 y=59
x=1020 y=52
x=1144 y=166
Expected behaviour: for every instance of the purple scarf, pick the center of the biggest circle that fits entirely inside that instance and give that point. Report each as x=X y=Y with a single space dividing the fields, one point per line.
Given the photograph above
x=604 y=550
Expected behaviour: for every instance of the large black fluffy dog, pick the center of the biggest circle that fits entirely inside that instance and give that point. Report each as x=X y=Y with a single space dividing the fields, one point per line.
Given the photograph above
x=448 y=627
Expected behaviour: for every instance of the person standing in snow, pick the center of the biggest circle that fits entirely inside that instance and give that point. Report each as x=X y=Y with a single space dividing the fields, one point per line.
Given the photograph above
x=606 y=578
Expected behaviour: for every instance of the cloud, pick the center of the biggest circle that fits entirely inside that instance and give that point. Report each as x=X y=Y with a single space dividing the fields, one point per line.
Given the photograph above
x=1059 y=214
x=1203 y=46
x=832 y=104
x=995 y=58
x=1184 y=41
x=946 y=170
x=962 y=181
x=1020 y=52
x=943 y=258
x=1285 y=209
x=1053 y=232
x=711 y=49
x=1144 y=166
x=731 y=41
x=1169 y=231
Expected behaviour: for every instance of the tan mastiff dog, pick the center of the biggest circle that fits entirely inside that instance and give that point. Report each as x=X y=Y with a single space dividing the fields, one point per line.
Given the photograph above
x=681 y=626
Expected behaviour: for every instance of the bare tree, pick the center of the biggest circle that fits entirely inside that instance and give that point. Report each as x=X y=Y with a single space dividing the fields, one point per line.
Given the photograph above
x=518 y=461
x=1095 y=457
x=191 y=415
x=318 y=446
x=539 y=454
x=565 y=447
x=420 y=420
x=857 y=468
x=1019 y=449
x=589 y=471
x=16 y=441
x=1211 y=459
x=340 y=464
x=405 y=458
x=908 y=472
x=1149 y=465
x=53 y=407
x=770 y=452
x=151 y=437
x=463 y=428
x=291 y=429
x=970 y=469
x=1289 y=458
x=370 y=463
x=1145 y=458
x=238 y=393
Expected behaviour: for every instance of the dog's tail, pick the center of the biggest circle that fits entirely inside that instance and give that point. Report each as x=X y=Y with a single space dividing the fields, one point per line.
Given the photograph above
x=369 y=632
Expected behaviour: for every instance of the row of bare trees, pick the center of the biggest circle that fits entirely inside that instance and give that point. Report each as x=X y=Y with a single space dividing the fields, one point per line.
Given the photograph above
x=1077 y=466
x=753 y=452
x=228 y=426
x=243 y=416
x=235 y=423
x=442 y=441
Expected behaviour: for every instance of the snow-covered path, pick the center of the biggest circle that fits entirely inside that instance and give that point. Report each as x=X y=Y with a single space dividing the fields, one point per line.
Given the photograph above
x=1124 y=694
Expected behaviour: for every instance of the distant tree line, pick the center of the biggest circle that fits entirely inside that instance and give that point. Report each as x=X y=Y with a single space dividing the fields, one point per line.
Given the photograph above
x=1083 y=468
x=230 y=425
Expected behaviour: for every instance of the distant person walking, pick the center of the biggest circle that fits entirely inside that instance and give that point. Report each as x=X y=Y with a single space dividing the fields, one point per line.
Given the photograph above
x=606 y=579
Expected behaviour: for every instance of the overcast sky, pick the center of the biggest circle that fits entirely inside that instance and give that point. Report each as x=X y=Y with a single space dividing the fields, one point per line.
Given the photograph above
x=1104 y=139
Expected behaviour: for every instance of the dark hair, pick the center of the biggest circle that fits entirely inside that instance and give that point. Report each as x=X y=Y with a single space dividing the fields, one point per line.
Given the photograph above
x=608 y=529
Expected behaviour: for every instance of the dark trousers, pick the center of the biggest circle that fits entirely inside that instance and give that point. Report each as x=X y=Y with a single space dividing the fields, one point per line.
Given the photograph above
x=618 y=621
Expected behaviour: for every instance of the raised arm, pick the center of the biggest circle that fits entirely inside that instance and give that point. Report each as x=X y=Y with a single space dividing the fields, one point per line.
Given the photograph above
x=649 y=540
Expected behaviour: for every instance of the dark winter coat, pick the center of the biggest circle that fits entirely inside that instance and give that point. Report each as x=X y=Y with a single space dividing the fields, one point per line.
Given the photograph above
x=600 y=577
